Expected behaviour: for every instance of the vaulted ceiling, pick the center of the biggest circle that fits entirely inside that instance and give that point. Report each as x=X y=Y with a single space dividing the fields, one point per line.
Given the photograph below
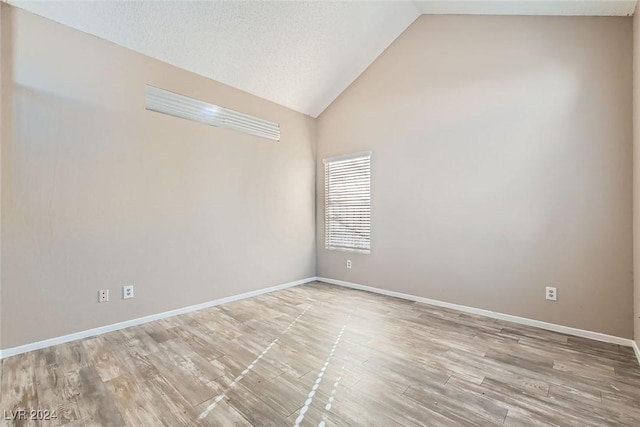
x=298 y=54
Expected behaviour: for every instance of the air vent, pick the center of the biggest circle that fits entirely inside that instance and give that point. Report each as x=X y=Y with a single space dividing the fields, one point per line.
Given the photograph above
x=173 y=104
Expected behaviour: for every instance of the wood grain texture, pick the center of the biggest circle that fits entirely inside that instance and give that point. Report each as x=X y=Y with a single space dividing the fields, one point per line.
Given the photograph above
x=397 y=363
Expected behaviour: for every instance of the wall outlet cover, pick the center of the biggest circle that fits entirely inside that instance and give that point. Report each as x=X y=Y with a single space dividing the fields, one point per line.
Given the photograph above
x=127 y=292
x=103 y=295
x=551 y=293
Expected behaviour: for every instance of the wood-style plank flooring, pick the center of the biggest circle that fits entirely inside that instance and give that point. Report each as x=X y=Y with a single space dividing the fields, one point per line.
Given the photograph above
x=318 y=354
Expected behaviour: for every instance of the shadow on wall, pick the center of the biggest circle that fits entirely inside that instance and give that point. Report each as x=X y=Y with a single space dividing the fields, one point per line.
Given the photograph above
x=6 y=120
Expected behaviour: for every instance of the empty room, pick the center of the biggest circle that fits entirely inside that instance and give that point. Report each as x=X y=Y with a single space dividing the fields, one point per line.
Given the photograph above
x=320 y=213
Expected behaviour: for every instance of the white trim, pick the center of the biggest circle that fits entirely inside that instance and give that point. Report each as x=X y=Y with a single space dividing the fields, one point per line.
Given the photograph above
x=174 y=104
x=140 y=320
x=636 y=349
x=351 y=156
x=358 y=251
x=493 y=314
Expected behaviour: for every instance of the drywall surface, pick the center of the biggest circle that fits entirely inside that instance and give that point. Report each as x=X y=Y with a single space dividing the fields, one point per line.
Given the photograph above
x=636 y=176
x=4 y=103
x=502 y=163
x=98 y=193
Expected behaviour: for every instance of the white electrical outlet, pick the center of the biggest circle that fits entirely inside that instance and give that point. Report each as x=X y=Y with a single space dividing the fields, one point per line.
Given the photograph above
x=103 y=295
x=127 y=292
x=552 y=293
x=348 y=263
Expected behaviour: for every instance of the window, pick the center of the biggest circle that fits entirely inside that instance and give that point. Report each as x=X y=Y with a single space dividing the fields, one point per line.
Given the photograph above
x=347 y=196
x=174 y=104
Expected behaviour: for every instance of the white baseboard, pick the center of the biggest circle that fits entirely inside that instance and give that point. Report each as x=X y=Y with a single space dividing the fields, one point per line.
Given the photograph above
x=637 y=350
x=140 y=320
x=493 y=314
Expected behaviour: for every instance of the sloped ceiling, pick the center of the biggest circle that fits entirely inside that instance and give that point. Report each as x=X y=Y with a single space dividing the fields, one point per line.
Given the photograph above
x=528 y=7
x=298 y=54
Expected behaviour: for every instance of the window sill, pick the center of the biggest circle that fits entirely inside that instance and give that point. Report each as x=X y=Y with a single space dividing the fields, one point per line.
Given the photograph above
x=360 y=251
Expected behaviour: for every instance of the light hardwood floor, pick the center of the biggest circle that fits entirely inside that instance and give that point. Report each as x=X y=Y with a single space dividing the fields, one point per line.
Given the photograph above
x=394 y=362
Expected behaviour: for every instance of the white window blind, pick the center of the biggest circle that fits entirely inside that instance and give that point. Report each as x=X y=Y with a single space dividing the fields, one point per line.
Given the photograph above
x=174 y=104
x=347 y=183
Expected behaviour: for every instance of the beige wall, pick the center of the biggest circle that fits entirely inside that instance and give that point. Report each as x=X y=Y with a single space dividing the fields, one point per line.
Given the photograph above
x=98 y=193
x=502 y=162
x=636 y=175
x=3 y=134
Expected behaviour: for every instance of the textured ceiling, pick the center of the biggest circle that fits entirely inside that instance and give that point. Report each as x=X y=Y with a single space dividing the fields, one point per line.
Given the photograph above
x=298 y=54
x=528 y=7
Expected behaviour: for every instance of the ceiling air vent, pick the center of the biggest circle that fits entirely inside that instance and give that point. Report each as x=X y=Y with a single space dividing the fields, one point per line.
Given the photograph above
x=173 y=104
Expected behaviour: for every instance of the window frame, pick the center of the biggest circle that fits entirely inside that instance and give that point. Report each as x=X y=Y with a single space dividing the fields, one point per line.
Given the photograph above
x=337 y=159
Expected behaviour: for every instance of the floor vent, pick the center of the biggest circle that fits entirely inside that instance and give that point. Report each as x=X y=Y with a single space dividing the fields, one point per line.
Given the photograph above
x=173 y=104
